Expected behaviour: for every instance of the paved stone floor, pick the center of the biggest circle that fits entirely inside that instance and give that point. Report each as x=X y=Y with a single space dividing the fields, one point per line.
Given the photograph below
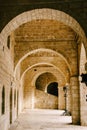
x=38 y=119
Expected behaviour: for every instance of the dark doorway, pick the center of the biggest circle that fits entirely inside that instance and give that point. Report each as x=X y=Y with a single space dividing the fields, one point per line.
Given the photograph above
x=3 y=100
x=15 y=98
x=11 y=106
x=53 y=88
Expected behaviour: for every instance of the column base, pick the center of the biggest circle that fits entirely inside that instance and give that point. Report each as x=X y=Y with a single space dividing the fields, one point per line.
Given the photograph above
x=66 y=113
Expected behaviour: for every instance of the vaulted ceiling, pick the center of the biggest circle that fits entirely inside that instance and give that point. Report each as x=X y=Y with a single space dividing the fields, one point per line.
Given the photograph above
x=42 y=46
x=75 y=8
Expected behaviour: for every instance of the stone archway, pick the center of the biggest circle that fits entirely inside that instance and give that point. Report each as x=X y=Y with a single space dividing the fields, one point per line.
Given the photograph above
x=41 y=14
x=44 y=51
x=44 y=99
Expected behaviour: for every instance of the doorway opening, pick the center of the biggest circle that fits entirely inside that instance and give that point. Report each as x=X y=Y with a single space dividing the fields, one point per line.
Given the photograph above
x=53 y=88
x=11 y=106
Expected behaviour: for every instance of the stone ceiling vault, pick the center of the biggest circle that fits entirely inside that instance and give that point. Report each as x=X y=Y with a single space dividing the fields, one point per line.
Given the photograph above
x=37 y=70
x=44 y=41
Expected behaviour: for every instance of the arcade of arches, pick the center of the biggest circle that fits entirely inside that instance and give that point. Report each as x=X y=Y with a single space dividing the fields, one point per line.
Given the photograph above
x=38 y=57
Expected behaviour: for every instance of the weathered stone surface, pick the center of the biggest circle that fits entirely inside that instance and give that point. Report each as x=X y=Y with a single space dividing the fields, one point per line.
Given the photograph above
x=42 y=42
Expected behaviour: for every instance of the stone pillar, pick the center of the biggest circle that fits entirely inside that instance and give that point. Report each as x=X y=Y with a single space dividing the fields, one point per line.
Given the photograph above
x=69 y=99
x=61 y=99
x=20 y=99
x=74 y=81
x=33 y=97
x=83 y=103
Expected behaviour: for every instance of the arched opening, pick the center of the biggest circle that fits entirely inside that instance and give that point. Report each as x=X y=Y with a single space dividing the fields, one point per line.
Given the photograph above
x=43 y=99
x=55 y=16
x=52 y=88
x=42 y=14
x=43 y=80
x=11 y=99
x=44 y=52
x=34 y=58
x=3 y=100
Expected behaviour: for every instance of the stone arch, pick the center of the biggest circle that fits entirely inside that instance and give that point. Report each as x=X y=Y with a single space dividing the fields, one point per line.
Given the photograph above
x=33 y=82
x=37 y=75
x=47 y=77
x=42 y=50
x=42 y=14
x=60 y=82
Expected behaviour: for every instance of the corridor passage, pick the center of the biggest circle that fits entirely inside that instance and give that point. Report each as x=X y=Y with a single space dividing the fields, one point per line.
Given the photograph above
x=39 y=119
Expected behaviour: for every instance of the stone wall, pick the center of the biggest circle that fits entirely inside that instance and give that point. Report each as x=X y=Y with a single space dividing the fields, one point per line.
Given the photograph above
x=61 y=99
x=65 y=61
x=6 y=82
x=11 y=9
x=45 y=101
x=83 y=88
x=10 y=85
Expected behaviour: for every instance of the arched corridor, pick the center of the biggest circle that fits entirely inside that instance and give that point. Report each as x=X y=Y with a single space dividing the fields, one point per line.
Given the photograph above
x=41 y=54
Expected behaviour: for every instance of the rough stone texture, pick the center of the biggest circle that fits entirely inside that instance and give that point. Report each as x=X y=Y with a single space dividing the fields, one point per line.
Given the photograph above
x=61 y=99
x=34 y=98
x=83 y=89
x=76 y=9
x=57 y=42
x=45 y=40
x=45 y=101
x=44 y=80
x=75 y=99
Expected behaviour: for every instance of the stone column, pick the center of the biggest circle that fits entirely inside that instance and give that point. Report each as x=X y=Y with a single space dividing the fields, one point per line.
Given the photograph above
x=33 y=97
x=69 y=99
x=74 y=81
x=61 y=99
x=83 y=103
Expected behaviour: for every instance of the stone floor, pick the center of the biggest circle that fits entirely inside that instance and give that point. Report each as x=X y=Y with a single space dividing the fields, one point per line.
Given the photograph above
x=44 y=120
